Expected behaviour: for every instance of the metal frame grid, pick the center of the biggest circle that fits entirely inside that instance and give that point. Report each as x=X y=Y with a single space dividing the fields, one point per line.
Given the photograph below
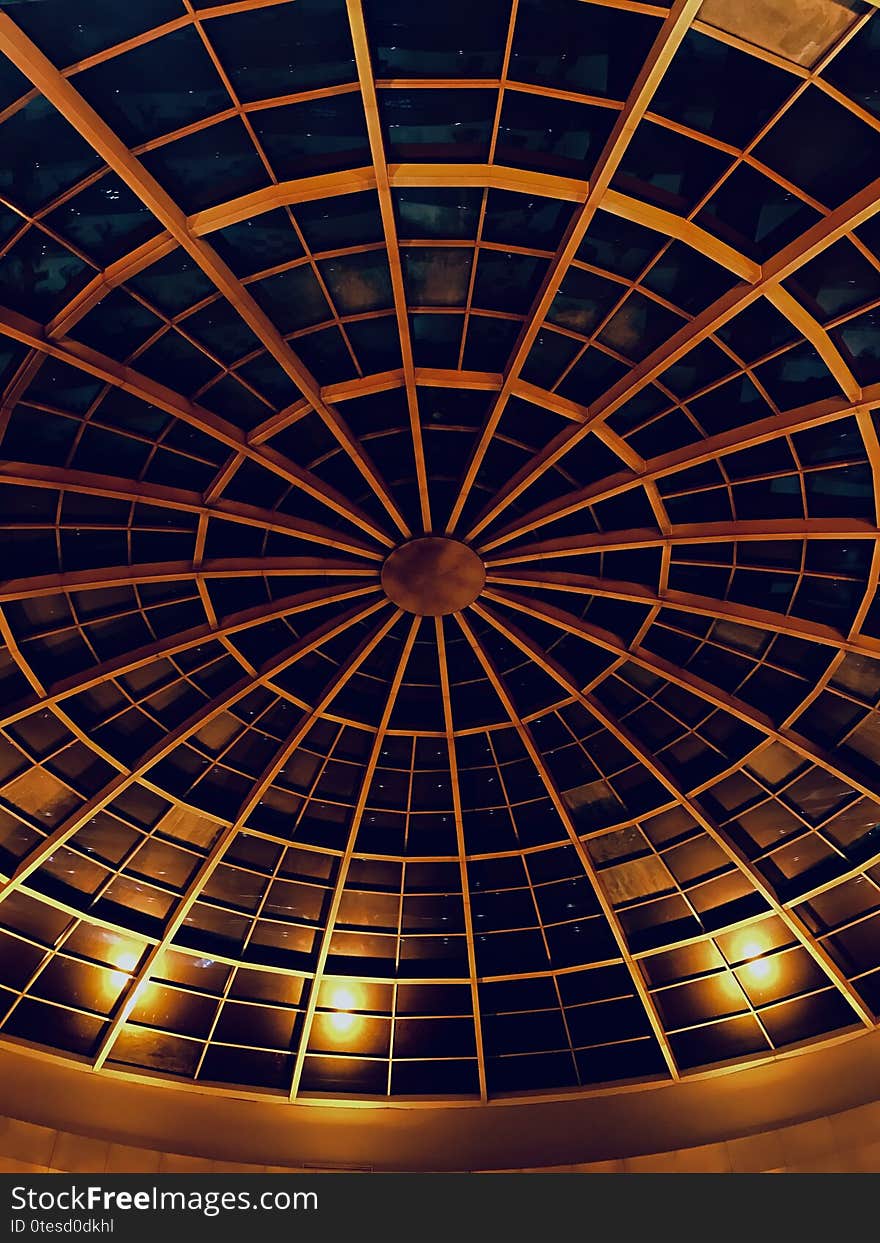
x=672 y=671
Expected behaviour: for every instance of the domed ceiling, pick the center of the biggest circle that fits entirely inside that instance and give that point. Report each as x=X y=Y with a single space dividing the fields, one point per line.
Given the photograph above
x=439 y=485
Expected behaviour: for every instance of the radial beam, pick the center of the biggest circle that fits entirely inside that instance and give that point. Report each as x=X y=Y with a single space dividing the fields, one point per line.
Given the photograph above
x=583 y=855
x=92 y=362
x=688 y=533
x=848 y=216
x=449 y=727
x=27 y=57
x=710 y=449
x=690 y=602
x=340 y=679
x=183 y=641
x=196 y=721
x=386 y=208
x=672 y=31
x=156 y=952
x=345 y=861
x=820 y=339
x=658 y=770
x=314 y=568
x=704 y=690
x=137 y=491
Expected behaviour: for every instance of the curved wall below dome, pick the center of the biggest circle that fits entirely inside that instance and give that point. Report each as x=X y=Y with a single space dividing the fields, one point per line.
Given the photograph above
x=817 y=1111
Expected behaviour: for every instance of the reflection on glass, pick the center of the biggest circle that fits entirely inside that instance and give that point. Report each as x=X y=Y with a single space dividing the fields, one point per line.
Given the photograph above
x=758 y=969
x=126 y=962
x=343 y=1000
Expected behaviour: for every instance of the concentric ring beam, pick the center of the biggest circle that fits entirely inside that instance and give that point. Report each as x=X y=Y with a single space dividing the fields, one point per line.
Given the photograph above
x=104 y=282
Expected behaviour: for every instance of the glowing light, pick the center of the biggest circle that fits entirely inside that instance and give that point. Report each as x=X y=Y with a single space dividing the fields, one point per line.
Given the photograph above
x=757 y=969
x=342 y=1021
x=343 y=998
x=126 y=963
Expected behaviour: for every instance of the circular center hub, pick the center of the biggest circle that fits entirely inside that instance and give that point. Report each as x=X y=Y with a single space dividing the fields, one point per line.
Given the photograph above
x=433 y=576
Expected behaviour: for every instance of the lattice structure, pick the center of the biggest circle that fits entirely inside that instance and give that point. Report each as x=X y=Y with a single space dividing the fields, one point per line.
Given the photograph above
x=589 y=291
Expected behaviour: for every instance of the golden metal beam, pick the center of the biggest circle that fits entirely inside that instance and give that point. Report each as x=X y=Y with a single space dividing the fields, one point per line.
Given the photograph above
x=114 y=275
x=787 y=304
x=314 y=568
x=196 y=721
x=27 y=57
x=352 y=181
x=689 y=533
x=90 y=483
x=670 y=224
x=611 y=918
x=673 y=30
x=182 y=641
x=28 y=332
x=436 y=377
x=348 y=854
x=386 y=208
x=227 y=836
x=725 y=843
x=479 y=176
x=689 y=602
x=462 y=851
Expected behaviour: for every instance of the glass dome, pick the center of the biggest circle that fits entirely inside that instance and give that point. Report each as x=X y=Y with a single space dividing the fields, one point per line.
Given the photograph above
x=439 y=485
